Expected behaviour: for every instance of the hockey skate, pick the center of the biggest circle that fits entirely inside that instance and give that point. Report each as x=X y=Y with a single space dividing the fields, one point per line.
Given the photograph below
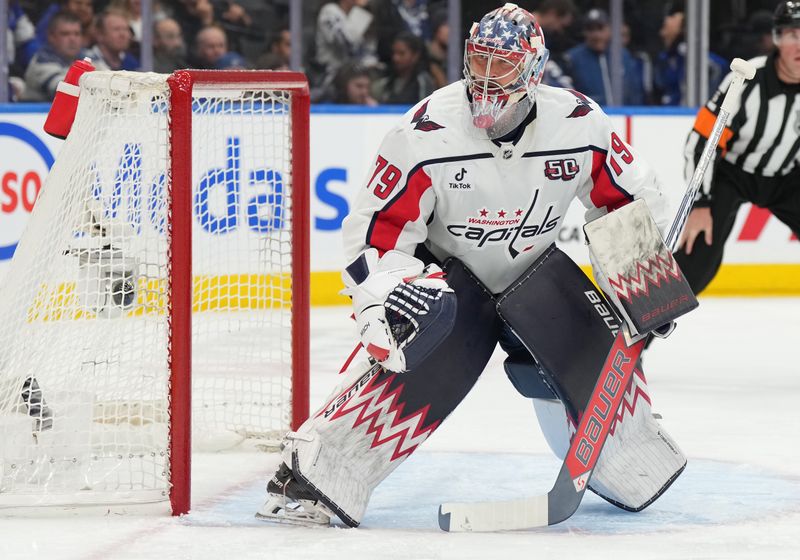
x=291 y=502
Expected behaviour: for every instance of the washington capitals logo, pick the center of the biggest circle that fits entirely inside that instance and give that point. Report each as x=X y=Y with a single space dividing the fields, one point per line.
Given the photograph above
x=422 y=121
x=583 y=108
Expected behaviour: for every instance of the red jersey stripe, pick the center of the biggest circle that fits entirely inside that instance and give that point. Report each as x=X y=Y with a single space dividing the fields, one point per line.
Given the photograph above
x=604 y=191
x=388 y=223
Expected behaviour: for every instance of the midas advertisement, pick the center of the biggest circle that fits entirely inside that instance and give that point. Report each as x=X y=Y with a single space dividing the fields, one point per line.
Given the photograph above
x=761 y=255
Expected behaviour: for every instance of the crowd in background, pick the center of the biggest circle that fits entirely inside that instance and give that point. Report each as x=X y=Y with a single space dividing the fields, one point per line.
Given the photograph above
x=371 y=52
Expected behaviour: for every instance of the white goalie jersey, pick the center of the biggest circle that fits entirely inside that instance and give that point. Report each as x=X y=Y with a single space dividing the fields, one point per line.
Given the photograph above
x=495 y=205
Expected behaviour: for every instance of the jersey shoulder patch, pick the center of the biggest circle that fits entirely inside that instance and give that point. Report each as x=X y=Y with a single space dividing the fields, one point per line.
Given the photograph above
x=565 y=102
x=422 y=121
x=583 y=106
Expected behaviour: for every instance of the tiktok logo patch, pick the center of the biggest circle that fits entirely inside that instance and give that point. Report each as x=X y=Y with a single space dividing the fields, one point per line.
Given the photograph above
x=459 y=181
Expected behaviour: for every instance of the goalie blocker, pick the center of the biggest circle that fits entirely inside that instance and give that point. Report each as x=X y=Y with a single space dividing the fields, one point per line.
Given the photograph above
x=636 y=270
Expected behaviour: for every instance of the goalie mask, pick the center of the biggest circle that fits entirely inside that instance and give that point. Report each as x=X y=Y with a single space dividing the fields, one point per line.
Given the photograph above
x=504 y=60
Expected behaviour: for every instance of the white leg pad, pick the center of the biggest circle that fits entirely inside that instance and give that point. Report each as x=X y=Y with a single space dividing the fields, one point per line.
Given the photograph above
x=354 y=442
x=639 y=460
x=330 y=470
x=556 y=427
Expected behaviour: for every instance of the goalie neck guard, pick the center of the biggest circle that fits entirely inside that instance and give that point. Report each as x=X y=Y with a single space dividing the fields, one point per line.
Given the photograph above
x=504 y=60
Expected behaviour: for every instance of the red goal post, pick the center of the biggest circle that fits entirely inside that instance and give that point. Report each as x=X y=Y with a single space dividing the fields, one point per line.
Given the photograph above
x=182 y=84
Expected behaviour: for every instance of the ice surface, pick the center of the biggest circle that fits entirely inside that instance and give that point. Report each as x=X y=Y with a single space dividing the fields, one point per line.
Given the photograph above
x=727 y=384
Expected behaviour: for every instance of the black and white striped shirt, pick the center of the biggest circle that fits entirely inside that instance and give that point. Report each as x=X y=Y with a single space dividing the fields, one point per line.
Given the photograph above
x=763 y=132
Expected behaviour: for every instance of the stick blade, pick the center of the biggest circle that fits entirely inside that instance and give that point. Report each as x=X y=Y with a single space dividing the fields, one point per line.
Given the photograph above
x=513 y=515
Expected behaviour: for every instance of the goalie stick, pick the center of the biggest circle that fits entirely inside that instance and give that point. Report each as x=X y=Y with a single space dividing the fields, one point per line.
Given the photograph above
x=564 y=498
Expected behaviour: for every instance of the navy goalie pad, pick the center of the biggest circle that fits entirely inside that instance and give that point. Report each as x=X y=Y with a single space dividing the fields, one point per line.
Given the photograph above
x=637 y=270
x=565 y=323
x=569 y=328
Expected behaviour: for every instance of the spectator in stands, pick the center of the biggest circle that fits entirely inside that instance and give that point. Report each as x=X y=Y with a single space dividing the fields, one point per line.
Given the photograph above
x=589 y=65
x=342 y=36
x=279 y=52
x=555 y=76
x=393 y=17
x=192 y=16
x=85 y=12
x=50 y=63
x=414 y=14
x=761 y=25
x=133 y=12
x=352 y=86
x=554 y=17
x=759 y=41
x=409 y=80
x=21 y=38
x=644 y=65
x=437 y=49
x=211 y=51
x=249 y=24
x=169 y=48
x=670 y=69
x=234 y=13
x=113 y=40
x=82 y=9
x=231 y=61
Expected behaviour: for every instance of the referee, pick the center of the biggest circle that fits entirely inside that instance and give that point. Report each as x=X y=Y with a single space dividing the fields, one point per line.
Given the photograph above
x=759 y=152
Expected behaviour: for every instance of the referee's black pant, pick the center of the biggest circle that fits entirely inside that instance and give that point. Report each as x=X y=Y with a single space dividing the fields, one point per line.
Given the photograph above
x=731 y=188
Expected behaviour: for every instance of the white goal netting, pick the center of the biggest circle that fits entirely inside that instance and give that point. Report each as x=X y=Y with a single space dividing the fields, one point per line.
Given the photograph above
x=84 y=370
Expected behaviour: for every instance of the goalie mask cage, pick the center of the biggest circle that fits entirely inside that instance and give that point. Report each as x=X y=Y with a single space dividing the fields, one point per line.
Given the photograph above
x=159 y=295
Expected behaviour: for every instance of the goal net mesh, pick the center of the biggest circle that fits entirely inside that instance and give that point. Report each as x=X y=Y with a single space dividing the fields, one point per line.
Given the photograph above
x=84 y=370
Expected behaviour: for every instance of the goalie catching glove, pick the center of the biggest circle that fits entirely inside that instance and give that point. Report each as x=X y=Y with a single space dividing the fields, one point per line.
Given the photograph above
x=403 y=308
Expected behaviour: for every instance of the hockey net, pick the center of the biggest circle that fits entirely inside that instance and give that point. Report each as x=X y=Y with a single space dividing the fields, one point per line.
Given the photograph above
x=166 y=259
